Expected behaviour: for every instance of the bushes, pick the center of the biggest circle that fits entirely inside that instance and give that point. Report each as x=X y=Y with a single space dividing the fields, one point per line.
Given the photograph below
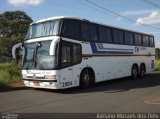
x=157 y=65
x=5 y=59
x=9 y=73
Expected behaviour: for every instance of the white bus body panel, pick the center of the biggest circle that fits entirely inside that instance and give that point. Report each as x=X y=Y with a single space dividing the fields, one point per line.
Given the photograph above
x=106 y=66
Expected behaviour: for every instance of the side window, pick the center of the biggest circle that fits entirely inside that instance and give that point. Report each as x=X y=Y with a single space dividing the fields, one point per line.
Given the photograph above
x=89 y=32
x=121 y=38
x=108 y=35
x=105 y=34
x=115 y=36
x=93 y=32
x=102 y=34
x=128 y=36
x=138 y=39
x=151 y=41
x=77 y=53
x=66 y=57
x=118 y=36
x=71 y=53
x=71 y=29
x=85 y=31
x=145 y=40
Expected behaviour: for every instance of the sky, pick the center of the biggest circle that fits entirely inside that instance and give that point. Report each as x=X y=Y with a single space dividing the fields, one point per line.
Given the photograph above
x=137 y=15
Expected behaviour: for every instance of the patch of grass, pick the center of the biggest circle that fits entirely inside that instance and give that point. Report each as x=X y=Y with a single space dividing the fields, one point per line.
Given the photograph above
x=157 y=65
x=9 y=73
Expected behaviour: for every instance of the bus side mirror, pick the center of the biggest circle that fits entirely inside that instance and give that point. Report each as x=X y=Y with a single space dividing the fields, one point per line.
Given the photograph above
x=15 y=53
x=14 y=48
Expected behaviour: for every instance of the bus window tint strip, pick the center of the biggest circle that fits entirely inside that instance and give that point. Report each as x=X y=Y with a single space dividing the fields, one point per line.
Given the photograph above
x=128 y=38
x=71 y=29
x=86 y=31
x=145 y=40
x=105 y=34
x=138 y=39
x=151 y=41
x=93 y=33
x=118 y=36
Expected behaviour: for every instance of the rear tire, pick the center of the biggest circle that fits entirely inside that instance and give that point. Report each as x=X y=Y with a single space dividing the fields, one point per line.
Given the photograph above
x=142 y=70
x=86 y=78
x=134 y=72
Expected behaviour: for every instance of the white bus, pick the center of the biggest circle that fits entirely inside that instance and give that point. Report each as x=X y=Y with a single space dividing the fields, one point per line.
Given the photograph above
x=64 y=52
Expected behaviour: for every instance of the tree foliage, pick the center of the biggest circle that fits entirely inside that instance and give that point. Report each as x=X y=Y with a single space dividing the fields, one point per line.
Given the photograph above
x=13 y=27
x=157 y=51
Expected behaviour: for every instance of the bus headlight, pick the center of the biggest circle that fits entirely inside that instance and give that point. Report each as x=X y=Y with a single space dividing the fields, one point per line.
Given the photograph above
x=24 y=76
x=50 y=77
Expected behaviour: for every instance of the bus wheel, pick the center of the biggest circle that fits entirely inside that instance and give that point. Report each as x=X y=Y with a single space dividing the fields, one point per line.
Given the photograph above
x=142 y=70
x=134 y=72
x=86 y=78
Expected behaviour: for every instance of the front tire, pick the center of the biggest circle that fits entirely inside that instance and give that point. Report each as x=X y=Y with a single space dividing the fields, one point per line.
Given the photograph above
x=86 y=78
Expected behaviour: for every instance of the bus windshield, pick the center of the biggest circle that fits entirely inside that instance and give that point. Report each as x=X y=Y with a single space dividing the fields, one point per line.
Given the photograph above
x=43 y=29
x=37 y=57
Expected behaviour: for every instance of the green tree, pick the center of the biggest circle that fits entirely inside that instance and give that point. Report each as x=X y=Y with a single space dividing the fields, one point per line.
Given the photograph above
x=13 y=27
x=157 y=51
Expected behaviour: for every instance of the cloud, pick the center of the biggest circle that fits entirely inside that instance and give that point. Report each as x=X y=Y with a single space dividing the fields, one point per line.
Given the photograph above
x=119 y=19
x=25 y=2
x=154 y=32
x=136 y=13
x=153 y=18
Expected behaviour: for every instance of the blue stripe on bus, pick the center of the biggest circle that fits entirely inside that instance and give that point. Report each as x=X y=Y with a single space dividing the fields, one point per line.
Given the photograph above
x=94 y=48
x=100 y=49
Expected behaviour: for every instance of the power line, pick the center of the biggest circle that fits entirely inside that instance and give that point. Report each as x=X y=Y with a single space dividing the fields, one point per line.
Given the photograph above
x=151 y=3
x=120 y=15
x=90 y=6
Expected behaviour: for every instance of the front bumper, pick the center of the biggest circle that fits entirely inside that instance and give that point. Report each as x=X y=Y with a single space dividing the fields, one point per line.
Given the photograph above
x=48 y=84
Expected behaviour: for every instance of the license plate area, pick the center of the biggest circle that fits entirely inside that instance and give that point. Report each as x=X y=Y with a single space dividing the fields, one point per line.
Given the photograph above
x=36 y=83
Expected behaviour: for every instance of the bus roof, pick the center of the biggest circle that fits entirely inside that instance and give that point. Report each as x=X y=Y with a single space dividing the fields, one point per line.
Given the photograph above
x=76 y=18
